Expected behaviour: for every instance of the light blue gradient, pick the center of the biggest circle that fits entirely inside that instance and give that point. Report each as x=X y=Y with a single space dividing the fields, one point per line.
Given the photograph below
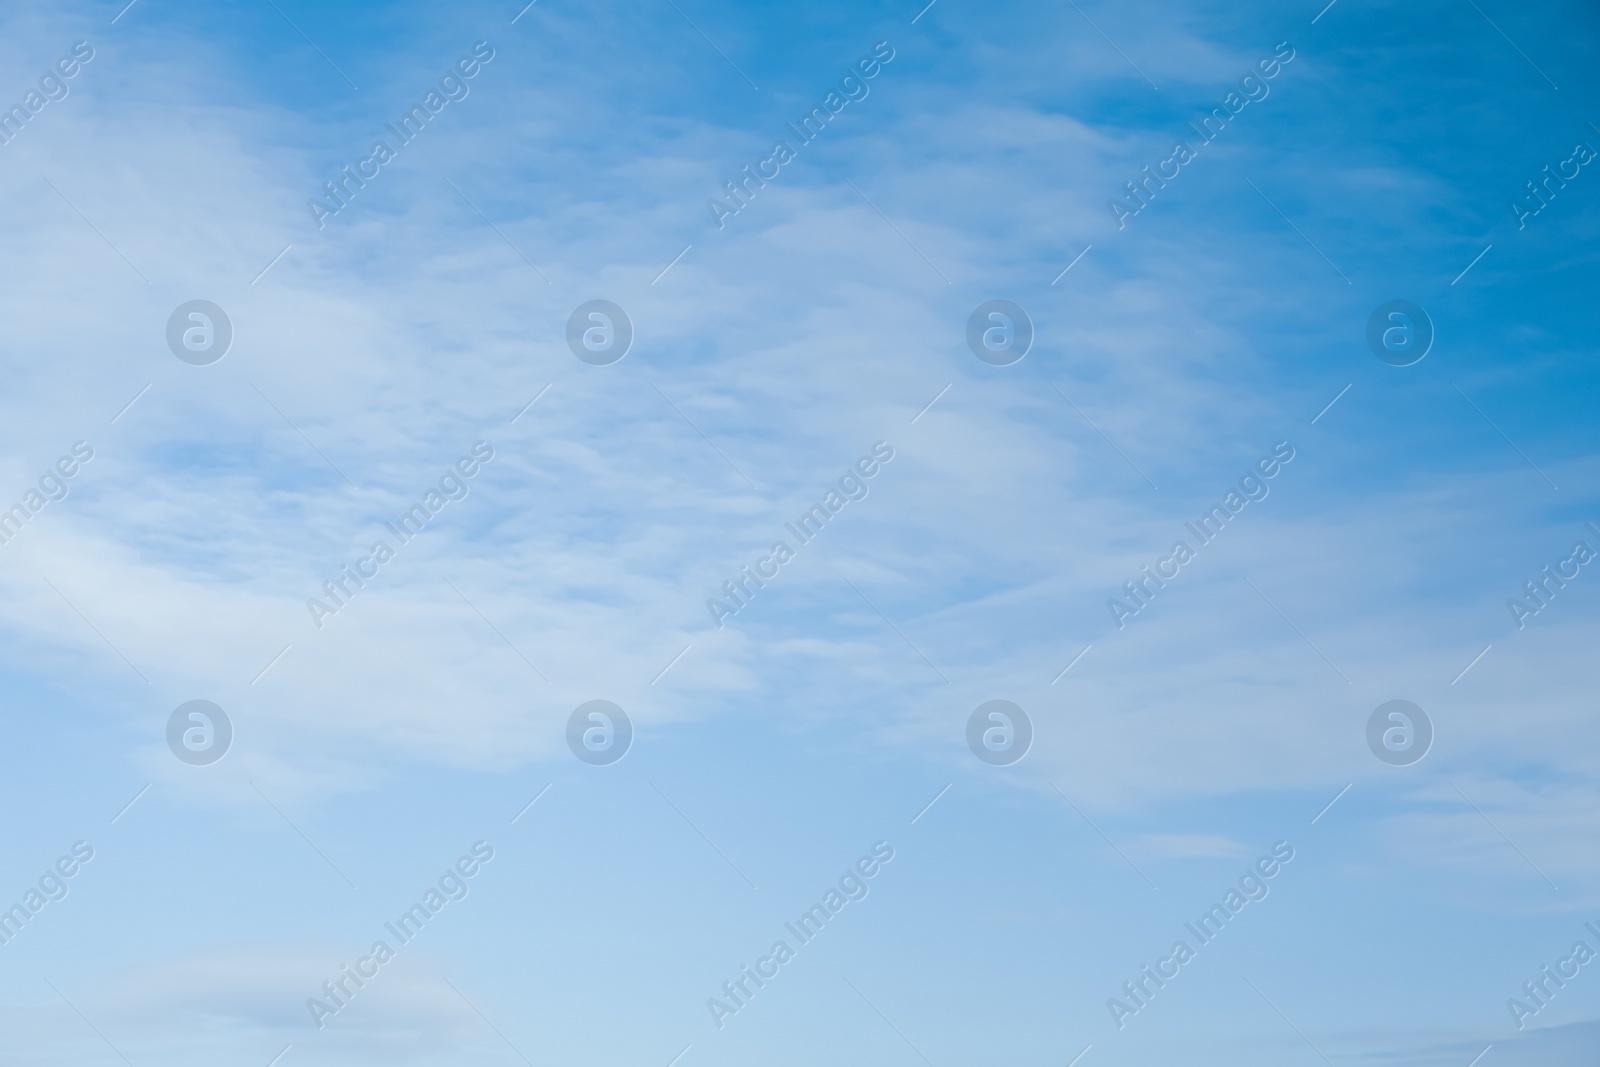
x=770 y=352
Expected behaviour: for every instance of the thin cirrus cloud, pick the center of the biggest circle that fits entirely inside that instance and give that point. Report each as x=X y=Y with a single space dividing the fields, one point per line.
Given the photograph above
x=822 y=318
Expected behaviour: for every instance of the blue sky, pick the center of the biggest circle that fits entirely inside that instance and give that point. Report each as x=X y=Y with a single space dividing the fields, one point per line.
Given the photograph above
x=769 y=354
